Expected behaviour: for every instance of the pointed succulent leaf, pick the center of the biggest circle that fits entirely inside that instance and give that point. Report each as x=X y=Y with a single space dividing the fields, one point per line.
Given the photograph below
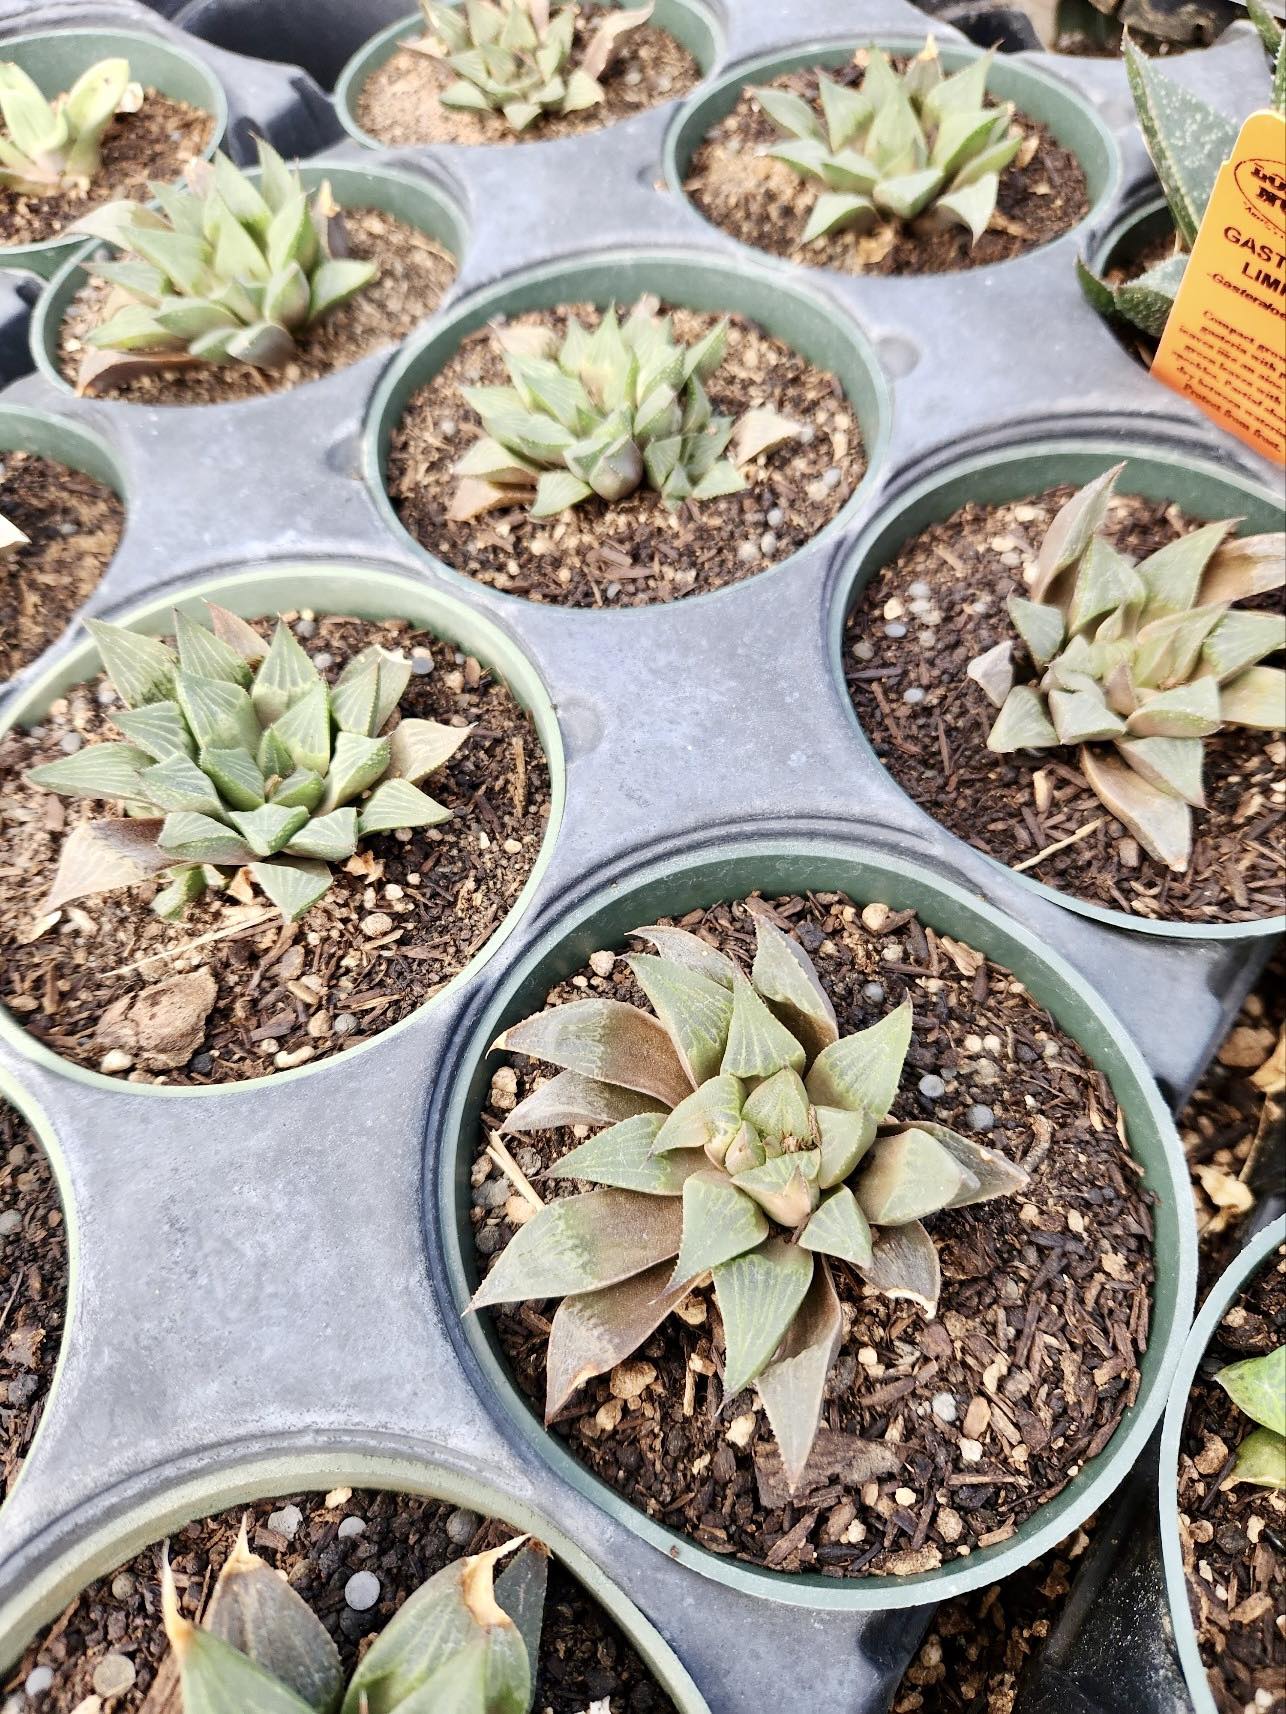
x=1147 y=300
x=284 y=677
x=420 y=747
x=1160 y=822
x=790 y=113
x=784 y=975
x=1255 y=698
x=793 y=1385
x=178 y=783
x=206 y=655
x=1083 y=715
x=779 y=1106
x=140 y=668
x=1166 y=650
x=158 y=728
x=1073 y=528
x=193 y=838
x=237 y=775
x=606 y=1040
x=993 y=671
x=1172 y=765
x=988 y=1173
x=185 y=887
x=219 y=715
x=397 y=803
x=1105 y=579
x=847 y=111
x=1261 y=1460
x=1188 y=711
x=270 y=828
x=217 y=1678
x=719 y=1222
x=571 y=1099
x=1241 y=639
x=1173 y=574
x=1257 y=1386
x=237 y=633
x=593 y=1332
x=622 y=1156
x=106 y=770
x=759 y=1294
x=711 y=1115
x=1022 y=723
x=846 y=1135
x=758 y=1044
x=839 y=1228
x=304 y=731
x=583 y=1243
x=293 y=884
x=695 y=1010
x=784 y=1186
x=1245 y=566
x=102 y=856
x=678 y=946
x=839 y=211
x=907 y=1176
x=1039 y=625
x=904 y=1264
x=299 y=787
x=861 y=1072
x=355 y=764
x=1187 y=139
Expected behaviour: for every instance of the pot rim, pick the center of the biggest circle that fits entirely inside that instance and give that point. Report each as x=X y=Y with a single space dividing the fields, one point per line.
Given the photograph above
x=378 y=592
x=718 y=870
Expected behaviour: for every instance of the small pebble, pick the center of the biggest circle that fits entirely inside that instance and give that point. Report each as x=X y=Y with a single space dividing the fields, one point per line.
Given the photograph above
x=323 y=660
x=306 y=628
x=863 y=650
x=914 y=693
x=774 y=518
x=114 y=1675
x=38 y=1680
x=602 y=963
x=286 y=1522
x=462 y=1526
x=105 y=695
x=345 y=1023
x=768 y=544
x=633 y=77
x=202 y=1064
x=895 y=628
x=115 y=1060
x=10 y=1222
x=122 y=1586
x=919 y=590
x=447 y=428
x=980 y=1117
x=70 y=742
x=351 y=1526
x=421 y=662
x=944 y=1407
x=833 y=477
x=378 y=923
x=873 y=991
x=807 y=435
x=746 y=552
x=362 y=1591
x=931 y=1086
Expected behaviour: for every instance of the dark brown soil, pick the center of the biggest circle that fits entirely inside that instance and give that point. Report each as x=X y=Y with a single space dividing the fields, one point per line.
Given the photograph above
x=1234 y=1538
x=402 y=917
x=154 y=143
x=399 y=103
x=636 y=551
x=765 y=203
x=946 y=591
x=1045 y=1303
x=33 y=1288
x=415 y=272
x=583 y=1656
x=73 y=524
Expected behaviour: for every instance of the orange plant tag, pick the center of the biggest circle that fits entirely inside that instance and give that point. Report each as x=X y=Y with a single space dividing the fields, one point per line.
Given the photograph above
x=1224 y=345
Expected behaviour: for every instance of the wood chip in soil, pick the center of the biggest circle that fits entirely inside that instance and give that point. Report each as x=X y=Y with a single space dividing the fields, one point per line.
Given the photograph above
x=403 y=1540
x=1045 y=1305
x=764 y=203
x=1234 y=1538
x=33 y=1288
x=402 y=917
x=939 y=603
x=157 y=142
x=400 y=103
x=415 y=273
x=636 y=551
x=73 y=523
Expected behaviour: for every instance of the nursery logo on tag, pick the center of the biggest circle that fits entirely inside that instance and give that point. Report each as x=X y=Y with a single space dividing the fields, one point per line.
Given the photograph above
x=1224 y=345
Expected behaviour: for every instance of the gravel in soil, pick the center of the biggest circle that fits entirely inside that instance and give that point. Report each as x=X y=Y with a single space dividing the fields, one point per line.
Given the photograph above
x=400 y=103
x=155 y=143
x=33 y=1288
x=402 y=917
x=415 y=273
x=763 y=202
x=636 y=551
x=1234 y=1537
x=1045 y=1307
x=73 y=524
x=320 y=1542
x=911 y=634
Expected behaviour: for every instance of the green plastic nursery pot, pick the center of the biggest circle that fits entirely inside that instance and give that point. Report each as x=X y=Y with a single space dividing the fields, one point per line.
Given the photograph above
x=178 y=1501
x=326 y=588
x=1015 y=473
x=1126 y=237
x=1037 y=93
x=690 y=22
x=805 y=321
x=13 y=1093
x=406 y=196
x=54 y=59
x=720 y=871
x=1223 y=1295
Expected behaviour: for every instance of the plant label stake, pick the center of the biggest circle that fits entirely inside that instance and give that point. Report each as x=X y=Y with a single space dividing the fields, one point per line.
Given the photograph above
x=1224 y=345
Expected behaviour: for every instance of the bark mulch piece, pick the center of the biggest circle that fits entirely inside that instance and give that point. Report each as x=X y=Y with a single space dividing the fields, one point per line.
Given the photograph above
x=405 y=1539
x=73 y=523
x=1234 y=1538
x=765 y=203
x=636 y=551
x=913 y=631
x=400 y=103
x=157 y=142
x=415 y=273
x=33 y=1288
x=402 y=917
x=1045 y=1305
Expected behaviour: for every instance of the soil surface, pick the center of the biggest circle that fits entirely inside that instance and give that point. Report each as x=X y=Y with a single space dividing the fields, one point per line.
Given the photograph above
x=400 y=102
x=33 y=1288
x=157 y=142
x=1234 y=1537
x=636 y=551
x=765 y=203
x=913 y=631
x=400 y=1538
x=1045 y=1303
x=415 y=272
x=73 y=524
x=401 y=918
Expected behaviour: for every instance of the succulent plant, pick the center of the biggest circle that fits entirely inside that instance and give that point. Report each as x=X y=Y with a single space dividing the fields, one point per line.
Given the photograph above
x=1189 y=141
x=1270 y=30
x=225 y=270
x=464 y=1640
x=915 y=144
x=747 y=1141
x=251 y=758
x=1139 y=663
x=514 y=56
x=1257 y=1387
x=49 y=147
x=606 y=413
